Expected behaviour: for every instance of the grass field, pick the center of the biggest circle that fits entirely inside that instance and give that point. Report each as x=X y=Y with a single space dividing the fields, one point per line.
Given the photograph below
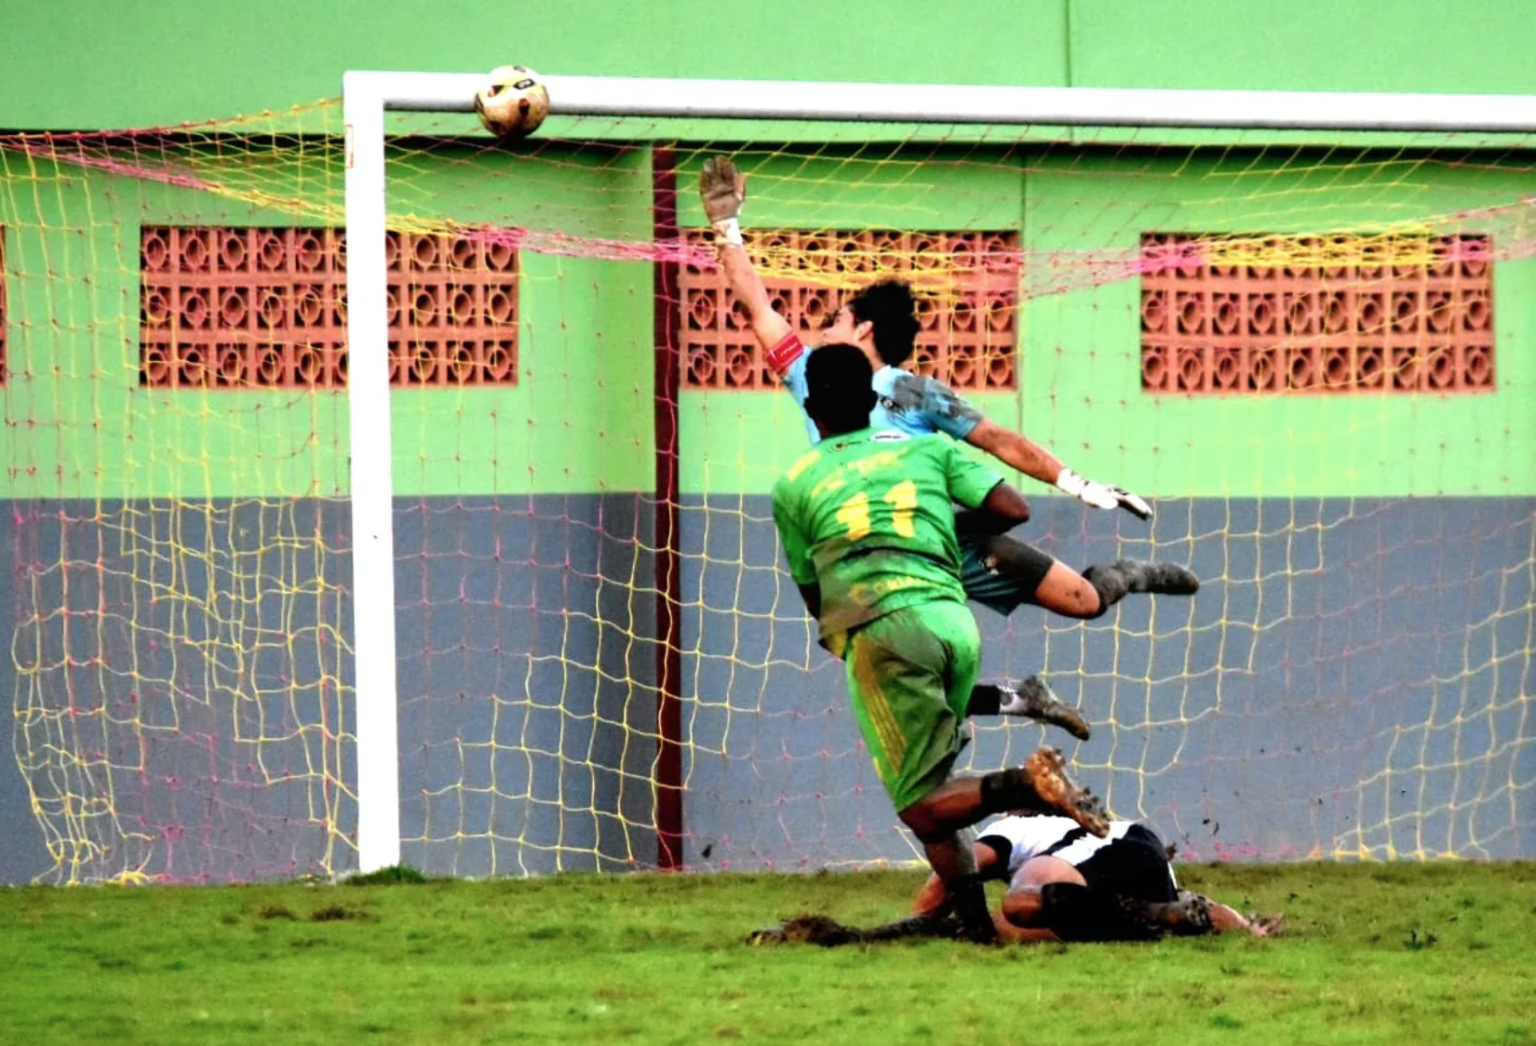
x=1386 y=953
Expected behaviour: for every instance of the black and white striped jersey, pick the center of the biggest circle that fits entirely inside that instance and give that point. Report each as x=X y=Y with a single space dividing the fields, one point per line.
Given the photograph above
x=1017 y=839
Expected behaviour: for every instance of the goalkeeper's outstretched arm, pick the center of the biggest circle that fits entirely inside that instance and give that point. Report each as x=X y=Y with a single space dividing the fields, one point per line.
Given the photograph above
x=946 y=411
x=1016 y=450
x=1021 y=452
x=722 y=189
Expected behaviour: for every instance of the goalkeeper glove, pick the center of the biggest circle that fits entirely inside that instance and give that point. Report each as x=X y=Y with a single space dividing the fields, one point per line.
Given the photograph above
x=1101 y=495
x=723 y=188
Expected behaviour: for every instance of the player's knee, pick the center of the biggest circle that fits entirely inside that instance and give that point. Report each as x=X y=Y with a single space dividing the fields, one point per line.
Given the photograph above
x=1069 y=594
x=1090 y=601
x=1021 y=906
x=1014 y=560
x=922 y=818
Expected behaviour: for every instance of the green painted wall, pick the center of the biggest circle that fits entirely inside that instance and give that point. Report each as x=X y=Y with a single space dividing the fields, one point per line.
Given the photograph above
x=1082 y=348
x=95 y=63
x=1079 y=351
x=79 y=425
x=581 y=419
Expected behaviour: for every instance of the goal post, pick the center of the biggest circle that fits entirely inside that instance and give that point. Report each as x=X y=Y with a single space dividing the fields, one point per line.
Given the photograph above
x=368 y=95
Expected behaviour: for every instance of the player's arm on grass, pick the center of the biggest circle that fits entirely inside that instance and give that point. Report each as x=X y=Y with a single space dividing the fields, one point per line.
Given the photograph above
x=948 y=412
x=991 y=863
x=1225 y=919
x=723 y=188
x=797 y=548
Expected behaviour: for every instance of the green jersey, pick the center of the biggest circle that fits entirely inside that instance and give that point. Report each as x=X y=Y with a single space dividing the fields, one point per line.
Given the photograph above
x=869 y=516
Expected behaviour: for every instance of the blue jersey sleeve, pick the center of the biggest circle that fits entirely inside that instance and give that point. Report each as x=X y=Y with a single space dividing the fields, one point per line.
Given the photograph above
x=794 y=379
x=919 y=404
x=946 y=411
x=794 y=383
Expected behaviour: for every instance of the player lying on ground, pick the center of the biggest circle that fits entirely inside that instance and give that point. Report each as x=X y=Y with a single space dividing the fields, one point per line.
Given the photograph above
x=1063 y=885
x=997 y=571
x=868 y=528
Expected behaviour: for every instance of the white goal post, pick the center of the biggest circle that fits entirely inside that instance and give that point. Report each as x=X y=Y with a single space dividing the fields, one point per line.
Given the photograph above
x=368 y=95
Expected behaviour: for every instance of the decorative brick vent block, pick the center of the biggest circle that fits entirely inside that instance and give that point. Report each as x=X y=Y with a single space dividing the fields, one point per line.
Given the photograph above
x=967 y=285
x=234 y=308
x=1219 y=316
x=452 y=311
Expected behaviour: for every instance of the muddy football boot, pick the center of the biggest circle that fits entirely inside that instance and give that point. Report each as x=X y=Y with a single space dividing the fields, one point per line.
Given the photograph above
x=1057 y=793
x=1033 y=699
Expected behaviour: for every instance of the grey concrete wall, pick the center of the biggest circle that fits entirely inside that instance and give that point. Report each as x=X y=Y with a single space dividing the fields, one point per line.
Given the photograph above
x=183 y=705
x=1355 y=677
x=177 y=681
x=23 y=852
x=527 y=684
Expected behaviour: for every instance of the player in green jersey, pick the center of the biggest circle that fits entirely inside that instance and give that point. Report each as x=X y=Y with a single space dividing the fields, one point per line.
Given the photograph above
x=998 y=571
x=868 y=527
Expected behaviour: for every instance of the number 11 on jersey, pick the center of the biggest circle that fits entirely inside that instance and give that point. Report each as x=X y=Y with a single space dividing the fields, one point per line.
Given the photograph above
x=902 y=499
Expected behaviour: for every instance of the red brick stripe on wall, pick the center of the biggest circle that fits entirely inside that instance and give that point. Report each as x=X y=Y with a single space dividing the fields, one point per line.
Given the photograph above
x=968 y=333
x=249 y=307
x=1353 y=326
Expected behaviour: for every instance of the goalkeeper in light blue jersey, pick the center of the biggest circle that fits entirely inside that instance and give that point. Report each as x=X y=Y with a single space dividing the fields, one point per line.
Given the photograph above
x=998 y=571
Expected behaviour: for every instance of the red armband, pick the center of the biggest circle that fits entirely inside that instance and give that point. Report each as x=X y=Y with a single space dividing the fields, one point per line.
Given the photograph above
x=786 y=352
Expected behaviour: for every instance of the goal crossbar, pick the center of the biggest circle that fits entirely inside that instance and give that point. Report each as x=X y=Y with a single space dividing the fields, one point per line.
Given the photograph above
x=970 y=104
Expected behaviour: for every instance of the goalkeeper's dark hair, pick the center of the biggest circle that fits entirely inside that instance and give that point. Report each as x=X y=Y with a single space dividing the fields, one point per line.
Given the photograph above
x=839 y=395
x=891 y=308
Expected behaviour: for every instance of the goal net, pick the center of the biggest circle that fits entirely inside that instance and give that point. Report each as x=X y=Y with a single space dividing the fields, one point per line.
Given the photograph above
x=1312 y=350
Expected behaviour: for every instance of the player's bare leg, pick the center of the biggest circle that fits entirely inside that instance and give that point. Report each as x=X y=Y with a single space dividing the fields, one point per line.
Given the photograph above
x=1081 y=595
x=1040 y=785
x=1095 y=590
x=1024 y=903
x=953 y=861
x=1031 y=698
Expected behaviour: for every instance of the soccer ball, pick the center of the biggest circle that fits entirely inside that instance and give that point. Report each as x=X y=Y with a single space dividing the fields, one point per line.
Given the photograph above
x=513 y=102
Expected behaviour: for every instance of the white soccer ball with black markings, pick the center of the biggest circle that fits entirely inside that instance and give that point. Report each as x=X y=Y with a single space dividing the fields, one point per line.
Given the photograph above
x=513 y=102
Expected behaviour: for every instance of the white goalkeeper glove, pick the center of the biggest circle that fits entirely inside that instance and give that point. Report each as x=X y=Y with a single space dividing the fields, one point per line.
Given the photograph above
x=723 y=189
x=1101 y=495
